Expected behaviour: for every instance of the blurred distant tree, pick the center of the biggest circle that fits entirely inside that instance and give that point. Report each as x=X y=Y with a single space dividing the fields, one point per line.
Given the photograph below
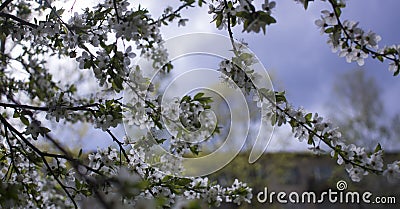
x=359 y=111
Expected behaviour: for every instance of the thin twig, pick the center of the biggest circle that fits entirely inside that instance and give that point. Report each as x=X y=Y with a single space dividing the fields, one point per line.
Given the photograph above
x=171 y=14
x=21 y=106
x=116 y=10
x=363 y=47
x=322 y=138
x=120 y=144
x=230 y=30
x=5 y=4
x=21 y=21
x=40 y=153
x=59 y=181
x=76 y=165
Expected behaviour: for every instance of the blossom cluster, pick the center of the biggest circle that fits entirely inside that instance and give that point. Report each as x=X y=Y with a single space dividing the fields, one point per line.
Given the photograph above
x=239 y=68
x=159 y=184
x=19 y=174
x=312 y=128
x=86 y=38
x=354 y=43
x=108 y=115
x=230 y=13
x=57 y=107
x=187 y=122
x=137 y=112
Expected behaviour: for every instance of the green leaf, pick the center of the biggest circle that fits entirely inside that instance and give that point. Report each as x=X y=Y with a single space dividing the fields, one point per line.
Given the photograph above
x=72 y=88
x=190 y=1
x=198 y=95
x=306 y=4
x=243 y=14
x=280 y=97
x=167 y=67
x=293 y=123
x=233 y=21
x=252 y=8
x=78 y=184
x=118 y=83
x=390 y=51
x=185 y=98
x=16 y=114
x=159 y=125
x=230 y=5
x=109 y=103
x=166 y=178
x=273 y=119
x=310 y=139
x=150 y=104
x=87 y=64
x=60 y=11
x=329 y=30
x=218 y=20
x=268 y=19
x=338 y=11
x=160 y=141
x=378 y=148
x=308 y=117
x=380 y=58
x=179 y=135
x=335 y=156
x=183 y=181
x=205 y=100
x=397 y=72
x=266 y=93
x=24 y=120
x=44 y=130
x=245 y=56
x=195 y=149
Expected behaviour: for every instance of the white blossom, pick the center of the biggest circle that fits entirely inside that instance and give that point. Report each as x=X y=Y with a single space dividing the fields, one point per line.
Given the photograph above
x=392 y=171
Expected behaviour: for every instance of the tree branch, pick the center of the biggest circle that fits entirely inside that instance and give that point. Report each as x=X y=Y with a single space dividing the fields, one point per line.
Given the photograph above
x=170 y=15
x=363 y=47
x=120 y=145
x=116 y=10
x=76 y=108
x=59 y=182
x=75 y=162
x=21 y=21
x=230 y=30
x=5 y=4
x=321 y=137
x=40 y=153
x=3 y=57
